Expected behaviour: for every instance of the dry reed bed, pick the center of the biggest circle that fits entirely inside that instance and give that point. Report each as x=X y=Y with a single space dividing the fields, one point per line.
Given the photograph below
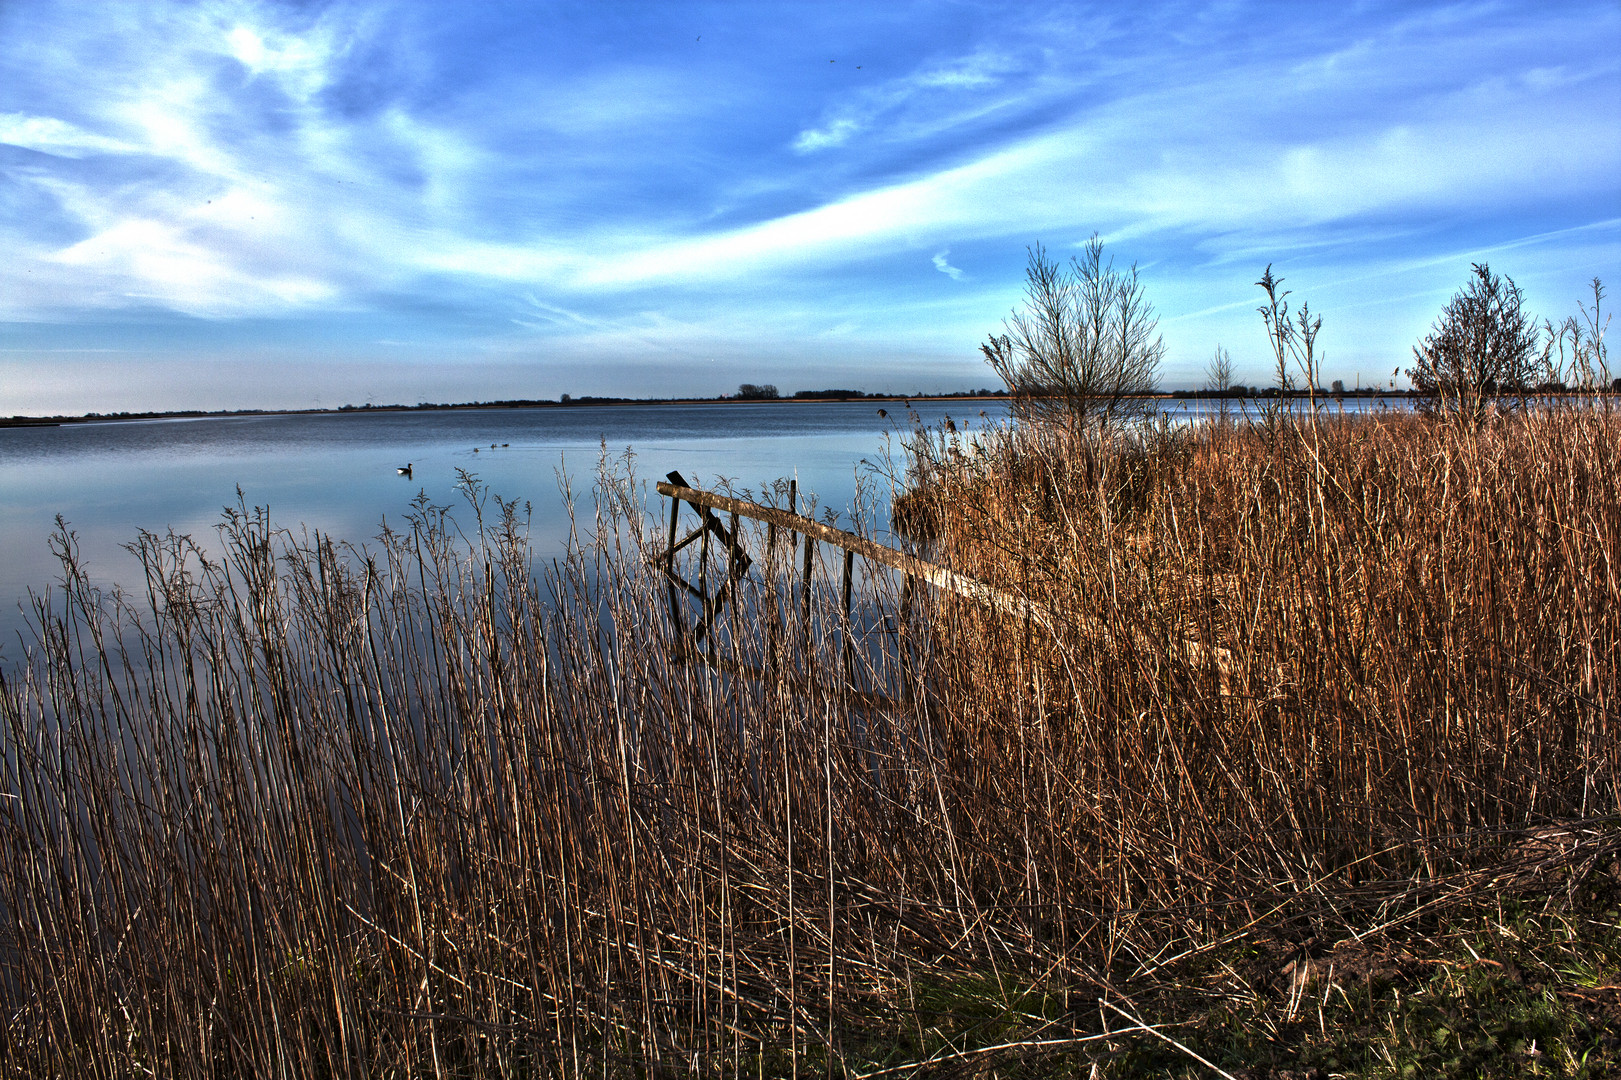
x=1294 y=649
x=417 y=810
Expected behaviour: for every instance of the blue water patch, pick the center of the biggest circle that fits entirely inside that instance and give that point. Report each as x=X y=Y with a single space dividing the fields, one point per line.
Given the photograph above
x=338 y=473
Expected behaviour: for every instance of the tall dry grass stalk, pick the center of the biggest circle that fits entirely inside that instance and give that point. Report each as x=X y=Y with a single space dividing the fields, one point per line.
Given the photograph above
x=421 y=810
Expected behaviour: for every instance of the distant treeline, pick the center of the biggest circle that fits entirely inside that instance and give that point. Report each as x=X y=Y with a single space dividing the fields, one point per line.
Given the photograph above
x=768 y=392
x=746 y=392
x=824 y=395
x=761 y=393
x=1293 y=392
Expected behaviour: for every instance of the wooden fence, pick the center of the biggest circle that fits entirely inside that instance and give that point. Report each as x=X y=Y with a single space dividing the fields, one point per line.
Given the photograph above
x=706 y=503
x=796 y=525
x=799 y=530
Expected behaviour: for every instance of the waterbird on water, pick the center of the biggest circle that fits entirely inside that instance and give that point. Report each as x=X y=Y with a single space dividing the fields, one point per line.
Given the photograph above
x=404 y=470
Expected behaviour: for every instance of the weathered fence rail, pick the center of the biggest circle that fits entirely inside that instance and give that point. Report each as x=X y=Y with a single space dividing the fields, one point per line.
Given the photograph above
x=680 y=492
x=706 y=503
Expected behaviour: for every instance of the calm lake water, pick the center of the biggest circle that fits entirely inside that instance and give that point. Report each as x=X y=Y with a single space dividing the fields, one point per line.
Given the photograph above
x=336 y=473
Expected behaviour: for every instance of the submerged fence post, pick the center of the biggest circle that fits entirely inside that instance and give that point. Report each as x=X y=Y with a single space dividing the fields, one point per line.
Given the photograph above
x=736 y=561
x=849 y=630
x=793 y=508
x=805 y=592
x=776 y=623
x=676 y=622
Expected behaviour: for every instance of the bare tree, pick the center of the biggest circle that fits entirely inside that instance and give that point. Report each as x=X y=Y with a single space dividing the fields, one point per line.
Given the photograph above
x=1218 y=374
x=1084 y=349
x=1218 y=379
x=1482 y=344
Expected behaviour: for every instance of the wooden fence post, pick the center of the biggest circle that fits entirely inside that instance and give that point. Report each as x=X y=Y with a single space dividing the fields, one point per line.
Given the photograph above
x=805 y=593
x=735 y=561
x=793 y=508
x=676 y=621
x=849 y=630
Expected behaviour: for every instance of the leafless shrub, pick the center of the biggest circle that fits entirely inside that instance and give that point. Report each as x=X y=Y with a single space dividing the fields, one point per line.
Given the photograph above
x=1482 y=347
x=1084 y=349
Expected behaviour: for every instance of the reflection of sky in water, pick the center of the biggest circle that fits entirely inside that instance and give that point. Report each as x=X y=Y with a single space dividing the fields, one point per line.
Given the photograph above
x=337 y=473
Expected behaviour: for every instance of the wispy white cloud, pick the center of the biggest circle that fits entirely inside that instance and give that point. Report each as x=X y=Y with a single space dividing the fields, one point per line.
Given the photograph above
x=835 y=133
x=300 y=62
x=49 y=135
x=976 y=72
x=945 y=267
x=155 y=262
x=937 y=96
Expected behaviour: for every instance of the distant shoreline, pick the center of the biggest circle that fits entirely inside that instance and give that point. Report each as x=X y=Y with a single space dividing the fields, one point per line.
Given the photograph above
x=573 y=403
x=813 y=398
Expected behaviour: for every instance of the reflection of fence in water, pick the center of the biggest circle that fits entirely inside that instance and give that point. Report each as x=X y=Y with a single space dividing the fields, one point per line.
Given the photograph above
x=779 y=600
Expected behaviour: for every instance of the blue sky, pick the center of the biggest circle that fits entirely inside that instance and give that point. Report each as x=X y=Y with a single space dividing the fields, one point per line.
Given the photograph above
x=282 y=205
